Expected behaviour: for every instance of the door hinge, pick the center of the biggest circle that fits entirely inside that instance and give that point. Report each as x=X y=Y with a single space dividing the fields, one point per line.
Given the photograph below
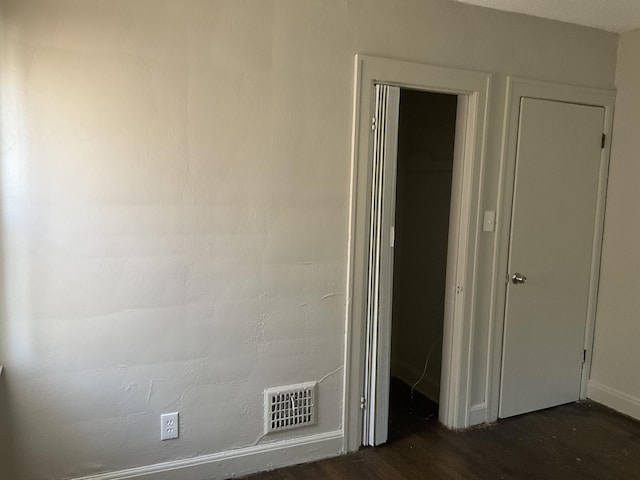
x=373 y=123
x=363 y=403
x=604 y=141
x=584 y=356
x=392 y=239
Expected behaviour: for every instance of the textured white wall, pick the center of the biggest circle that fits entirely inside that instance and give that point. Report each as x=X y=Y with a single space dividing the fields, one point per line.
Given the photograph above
x=616 y=356
x=175 y=181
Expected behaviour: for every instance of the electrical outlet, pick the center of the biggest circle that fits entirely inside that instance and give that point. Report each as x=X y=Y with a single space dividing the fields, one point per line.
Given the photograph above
x=169 y=427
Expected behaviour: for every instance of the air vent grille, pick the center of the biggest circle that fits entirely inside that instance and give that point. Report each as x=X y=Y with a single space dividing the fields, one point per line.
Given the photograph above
x=289 y=407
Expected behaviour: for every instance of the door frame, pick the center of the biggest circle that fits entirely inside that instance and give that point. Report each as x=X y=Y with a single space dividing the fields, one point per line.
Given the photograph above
x=455 y=408
x=518 y=88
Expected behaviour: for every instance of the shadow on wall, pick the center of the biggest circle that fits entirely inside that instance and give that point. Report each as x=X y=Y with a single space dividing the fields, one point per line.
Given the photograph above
x=9 y=463
x=8 y=455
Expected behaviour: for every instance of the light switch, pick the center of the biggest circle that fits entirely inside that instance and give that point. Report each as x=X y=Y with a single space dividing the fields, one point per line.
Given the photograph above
x=489 y=224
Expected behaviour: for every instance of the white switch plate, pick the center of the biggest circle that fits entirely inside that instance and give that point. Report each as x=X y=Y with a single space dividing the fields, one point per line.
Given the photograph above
x=489 y=224
x=169 y=428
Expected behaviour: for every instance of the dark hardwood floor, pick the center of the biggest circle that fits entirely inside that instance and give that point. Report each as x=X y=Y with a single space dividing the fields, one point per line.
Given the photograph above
x=577 y=441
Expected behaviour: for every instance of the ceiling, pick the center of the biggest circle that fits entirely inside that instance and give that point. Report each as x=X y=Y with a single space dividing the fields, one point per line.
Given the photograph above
x=612 y=15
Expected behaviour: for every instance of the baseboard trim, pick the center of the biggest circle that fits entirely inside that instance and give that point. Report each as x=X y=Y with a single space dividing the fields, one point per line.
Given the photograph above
x=612 y=398
x=235 y=463
x=478 y=414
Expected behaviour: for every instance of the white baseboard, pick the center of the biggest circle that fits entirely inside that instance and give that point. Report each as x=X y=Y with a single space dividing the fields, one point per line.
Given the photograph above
x=478 y=414
x=236 y=463
x=613 y=398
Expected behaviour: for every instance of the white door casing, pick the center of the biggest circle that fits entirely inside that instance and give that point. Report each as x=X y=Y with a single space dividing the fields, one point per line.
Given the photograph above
x=552 y=235
x=472 y=88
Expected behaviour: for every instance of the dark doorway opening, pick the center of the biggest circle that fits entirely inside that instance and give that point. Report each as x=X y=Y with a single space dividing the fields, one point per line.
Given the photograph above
x=427 y=127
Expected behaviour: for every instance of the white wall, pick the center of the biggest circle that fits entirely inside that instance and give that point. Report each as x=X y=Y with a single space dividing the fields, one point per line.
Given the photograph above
x=614 y=375
x=175 y=182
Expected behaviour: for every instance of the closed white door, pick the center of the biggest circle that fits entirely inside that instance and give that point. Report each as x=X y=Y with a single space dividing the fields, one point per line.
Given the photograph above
x=550 y=259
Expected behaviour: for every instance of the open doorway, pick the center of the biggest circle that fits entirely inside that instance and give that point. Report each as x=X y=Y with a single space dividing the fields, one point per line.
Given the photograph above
x=420 y=109
x=372 y=233
x=425 y=157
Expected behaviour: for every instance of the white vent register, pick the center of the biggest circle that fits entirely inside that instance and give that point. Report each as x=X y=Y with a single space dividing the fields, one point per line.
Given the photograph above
x=289 y=407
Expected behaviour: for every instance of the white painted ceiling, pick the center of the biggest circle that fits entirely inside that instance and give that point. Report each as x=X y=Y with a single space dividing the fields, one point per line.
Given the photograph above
x=612 y=15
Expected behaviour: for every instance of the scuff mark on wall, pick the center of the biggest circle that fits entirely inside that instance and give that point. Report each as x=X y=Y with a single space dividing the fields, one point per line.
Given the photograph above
x=184 y=393
x=331 y=295
x=150 y=392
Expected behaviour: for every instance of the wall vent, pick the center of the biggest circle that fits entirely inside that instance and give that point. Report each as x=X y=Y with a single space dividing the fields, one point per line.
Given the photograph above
x=289 y=407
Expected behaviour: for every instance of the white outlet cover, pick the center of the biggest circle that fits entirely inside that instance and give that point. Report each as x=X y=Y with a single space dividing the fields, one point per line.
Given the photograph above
x=169 y=426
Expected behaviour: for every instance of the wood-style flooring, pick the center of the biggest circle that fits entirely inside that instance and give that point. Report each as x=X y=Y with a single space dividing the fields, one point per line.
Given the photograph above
x=578 y=441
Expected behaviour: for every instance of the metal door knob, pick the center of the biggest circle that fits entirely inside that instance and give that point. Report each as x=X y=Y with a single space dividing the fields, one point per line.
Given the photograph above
x=518 y=279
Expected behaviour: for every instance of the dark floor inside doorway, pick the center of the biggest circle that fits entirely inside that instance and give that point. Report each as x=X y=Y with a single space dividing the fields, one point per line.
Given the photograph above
x=409 y=413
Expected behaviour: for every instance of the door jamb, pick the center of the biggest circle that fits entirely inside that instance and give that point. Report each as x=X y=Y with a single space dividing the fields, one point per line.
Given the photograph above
x=456 y=411
x=518 y=88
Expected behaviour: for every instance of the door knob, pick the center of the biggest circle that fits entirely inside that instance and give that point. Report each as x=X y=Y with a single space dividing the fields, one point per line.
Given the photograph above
x=518 y=279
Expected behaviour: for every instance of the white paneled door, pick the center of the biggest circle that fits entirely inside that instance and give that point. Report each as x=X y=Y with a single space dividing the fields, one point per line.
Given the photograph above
x=558 y=161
